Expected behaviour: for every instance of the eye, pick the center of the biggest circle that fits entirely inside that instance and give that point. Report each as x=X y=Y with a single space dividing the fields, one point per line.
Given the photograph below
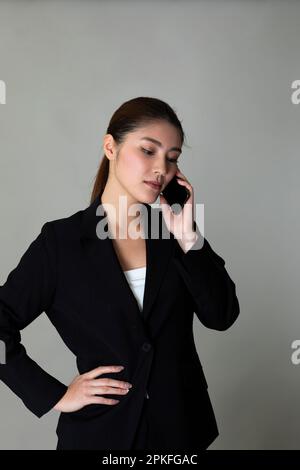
x=149 y=152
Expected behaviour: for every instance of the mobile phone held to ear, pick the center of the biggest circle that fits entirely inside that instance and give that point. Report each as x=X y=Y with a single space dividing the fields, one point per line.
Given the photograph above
x=175 y=193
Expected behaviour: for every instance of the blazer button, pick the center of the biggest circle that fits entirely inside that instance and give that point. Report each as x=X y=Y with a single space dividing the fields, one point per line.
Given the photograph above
x=147 y=395
x=146 y=347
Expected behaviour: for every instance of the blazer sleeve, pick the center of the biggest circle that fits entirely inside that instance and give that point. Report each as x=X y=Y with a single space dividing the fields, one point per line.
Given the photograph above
x=27 y=292
x=213 y=293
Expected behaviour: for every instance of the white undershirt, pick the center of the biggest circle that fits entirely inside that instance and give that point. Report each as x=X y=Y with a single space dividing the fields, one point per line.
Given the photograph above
x=136 y=280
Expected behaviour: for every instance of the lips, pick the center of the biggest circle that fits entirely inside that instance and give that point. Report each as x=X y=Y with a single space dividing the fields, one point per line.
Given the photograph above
x=153 y=185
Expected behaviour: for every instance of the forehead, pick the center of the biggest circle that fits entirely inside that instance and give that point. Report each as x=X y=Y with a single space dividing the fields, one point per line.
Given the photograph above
x=162 y=131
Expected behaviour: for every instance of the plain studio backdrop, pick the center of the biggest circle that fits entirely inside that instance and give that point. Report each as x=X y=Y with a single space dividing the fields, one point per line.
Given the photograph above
x=227 y=68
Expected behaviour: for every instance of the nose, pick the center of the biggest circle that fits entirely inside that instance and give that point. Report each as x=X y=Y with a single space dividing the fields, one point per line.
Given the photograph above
x=160 y=173
x=159 y=177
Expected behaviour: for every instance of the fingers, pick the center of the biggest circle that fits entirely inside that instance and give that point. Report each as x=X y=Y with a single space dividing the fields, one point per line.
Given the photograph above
x=104 y=401
x=110 y=382
x=179 y=174
x=102 y=370
x=93 y=390
x=82 y=390
x=182 y=179
x=104 y=386
x=107 y=391
x=186 y=184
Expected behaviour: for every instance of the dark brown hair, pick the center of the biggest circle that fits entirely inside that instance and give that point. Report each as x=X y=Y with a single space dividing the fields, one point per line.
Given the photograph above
x=129 y=117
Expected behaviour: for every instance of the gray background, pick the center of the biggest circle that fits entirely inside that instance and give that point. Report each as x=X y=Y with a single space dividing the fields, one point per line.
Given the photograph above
x=226 y=67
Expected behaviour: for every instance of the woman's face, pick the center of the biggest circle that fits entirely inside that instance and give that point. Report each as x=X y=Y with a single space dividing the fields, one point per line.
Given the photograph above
x=138 y=160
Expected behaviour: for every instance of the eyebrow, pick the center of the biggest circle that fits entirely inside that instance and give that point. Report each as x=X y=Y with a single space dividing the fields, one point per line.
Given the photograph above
x=159 y=143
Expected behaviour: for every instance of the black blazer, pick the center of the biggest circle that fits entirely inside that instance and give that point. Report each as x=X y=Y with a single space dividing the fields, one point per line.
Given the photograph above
x=76 y=279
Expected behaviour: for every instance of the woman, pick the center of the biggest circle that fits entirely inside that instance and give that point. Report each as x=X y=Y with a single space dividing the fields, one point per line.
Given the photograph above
x=124 y=305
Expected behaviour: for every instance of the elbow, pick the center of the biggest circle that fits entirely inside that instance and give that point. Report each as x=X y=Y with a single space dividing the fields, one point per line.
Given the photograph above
x=228 y=315
x=229 y=309
x=221 y=313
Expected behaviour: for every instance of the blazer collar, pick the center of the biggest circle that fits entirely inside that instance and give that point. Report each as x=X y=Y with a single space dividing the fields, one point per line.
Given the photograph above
x=103 y=261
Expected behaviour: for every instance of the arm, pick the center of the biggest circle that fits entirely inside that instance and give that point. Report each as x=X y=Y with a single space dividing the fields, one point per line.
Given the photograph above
x=212 y=290
x=27 y=292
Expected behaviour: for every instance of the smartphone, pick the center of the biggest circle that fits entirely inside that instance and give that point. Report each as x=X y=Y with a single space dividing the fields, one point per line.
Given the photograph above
x=175 y=193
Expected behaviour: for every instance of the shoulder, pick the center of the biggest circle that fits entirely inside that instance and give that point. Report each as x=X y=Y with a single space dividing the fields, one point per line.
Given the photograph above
x=63 y=228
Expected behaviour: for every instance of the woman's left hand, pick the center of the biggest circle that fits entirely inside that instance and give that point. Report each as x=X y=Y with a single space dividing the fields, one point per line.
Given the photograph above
x=181 y=224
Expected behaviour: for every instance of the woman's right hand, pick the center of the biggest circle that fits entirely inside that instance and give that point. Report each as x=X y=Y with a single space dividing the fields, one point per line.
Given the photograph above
x=82 y=389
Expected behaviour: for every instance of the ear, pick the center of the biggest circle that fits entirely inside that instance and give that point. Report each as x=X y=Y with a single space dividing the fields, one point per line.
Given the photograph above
x=109 y=146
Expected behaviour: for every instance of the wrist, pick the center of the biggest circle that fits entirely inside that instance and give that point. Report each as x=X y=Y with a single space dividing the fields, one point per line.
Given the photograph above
x=187 y=241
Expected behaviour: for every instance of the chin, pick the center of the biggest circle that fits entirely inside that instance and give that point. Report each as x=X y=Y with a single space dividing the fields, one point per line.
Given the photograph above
x=149 y=199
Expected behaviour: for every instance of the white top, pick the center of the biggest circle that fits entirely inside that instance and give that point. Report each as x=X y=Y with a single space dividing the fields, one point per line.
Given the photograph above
x=136 y=280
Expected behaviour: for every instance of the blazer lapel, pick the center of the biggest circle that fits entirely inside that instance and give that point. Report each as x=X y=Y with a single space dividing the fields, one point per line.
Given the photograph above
x=102 y=261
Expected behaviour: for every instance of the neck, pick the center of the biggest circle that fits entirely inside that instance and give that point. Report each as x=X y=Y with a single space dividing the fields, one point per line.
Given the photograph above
x=117 y=207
